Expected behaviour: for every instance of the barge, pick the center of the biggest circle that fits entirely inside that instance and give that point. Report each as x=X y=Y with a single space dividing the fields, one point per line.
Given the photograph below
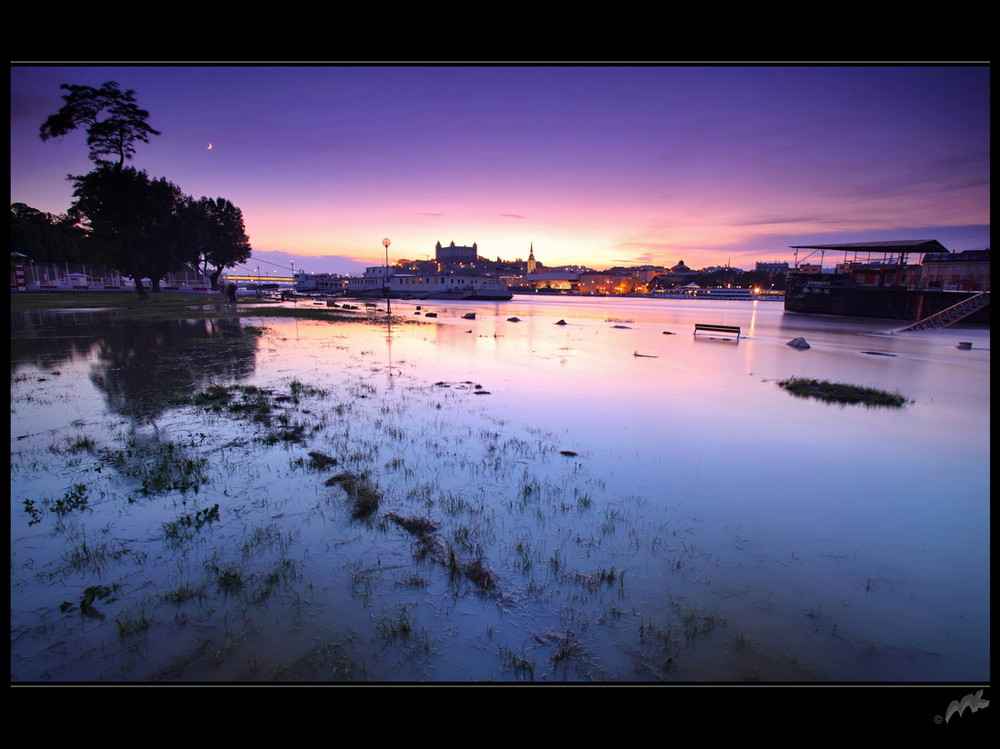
x=890 y=287
x=377 y=283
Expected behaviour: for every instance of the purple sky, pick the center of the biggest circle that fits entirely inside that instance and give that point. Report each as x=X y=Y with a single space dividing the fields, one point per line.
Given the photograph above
x=596 y=165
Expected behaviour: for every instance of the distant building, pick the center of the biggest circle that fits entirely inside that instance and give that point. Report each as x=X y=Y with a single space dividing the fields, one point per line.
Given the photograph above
x=772 y=268
x=963 y=271
x=456 y=256
x=678 y=275
x=417 y=266
x=680 y=268
x=607 y=283
x=551 y=281
x=642 y=273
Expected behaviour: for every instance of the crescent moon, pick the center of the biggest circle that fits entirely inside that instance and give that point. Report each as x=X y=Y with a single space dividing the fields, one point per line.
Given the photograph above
x=209 y=147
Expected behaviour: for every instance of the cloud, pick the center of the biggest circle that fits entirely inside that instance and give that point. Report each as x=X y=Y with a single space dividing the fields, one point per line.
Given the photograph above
x=764 y=221
x=645 y=259
x=513 y=215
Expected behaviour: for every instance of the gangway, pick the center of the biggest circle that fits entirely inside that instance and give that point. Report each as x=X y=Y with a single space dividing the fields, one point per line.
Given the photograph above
x=952 y=314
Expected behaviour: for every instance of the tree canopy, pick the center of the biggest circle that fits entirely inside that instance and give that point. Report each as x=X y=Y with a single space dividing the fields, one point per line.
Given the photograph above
x=44 y=237
x=215 y=231
x=145 y=227
x=113 y=120
x=132 y=214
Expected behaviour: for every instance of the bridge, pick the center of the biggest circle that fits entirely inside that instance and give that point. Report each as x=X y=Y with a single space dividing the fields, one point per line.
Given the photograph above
x=260 y=279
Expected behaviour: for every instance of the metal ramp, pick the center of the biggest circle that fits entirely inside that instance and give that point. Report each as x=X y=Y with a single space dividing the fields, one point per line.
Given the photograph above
x=952 y=314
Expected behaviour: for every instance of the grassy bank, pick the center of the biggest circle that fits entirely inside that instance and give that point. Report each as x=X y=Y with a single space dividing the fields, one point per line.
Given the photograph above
x=117 y=299
x=184 y=305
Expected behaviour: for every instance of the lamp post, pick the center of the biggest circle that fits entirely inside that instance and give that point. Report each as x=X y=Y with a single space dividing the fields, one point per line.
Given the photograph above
x=388 y=304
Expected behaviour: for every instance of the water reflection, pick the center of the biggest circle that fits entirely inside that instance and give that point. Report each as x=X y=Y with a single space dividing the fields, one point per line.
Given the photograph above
x=139 y=365
x=637 y=511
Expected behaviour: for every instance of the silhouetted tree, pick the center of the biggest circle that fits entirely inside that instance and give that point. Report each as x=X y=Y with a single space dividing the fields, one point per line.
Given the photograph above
x=44 y=237
x=111 y=117
x=149 y=227
x=214 y=230
x=134 y=215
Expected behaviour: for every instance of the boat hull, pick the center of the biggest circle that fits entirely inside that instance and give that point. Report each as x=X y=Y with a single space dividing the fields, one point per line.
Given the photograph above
x=484 y=296
x=435 y=286
x=823 y=297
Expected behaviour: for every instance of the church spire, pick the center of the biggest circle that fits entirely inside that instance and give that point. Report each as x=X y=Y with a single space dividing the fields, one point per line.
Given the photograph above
x=531 y=259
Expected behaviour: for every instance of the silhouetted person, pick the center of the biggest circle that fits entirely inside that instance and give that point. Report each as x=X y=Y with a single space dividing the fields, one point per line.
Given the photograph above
x=231 y=292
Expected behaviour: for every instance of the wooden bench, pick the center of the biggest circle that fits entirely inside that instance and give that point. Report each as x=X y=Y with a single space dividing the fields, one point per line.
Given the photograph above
x=718 y=329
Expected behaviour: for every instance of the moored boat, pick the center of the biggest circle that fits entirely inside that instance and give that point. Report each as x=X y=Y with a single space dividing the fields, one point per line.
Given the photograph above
x=890 y=287
x=377 y=283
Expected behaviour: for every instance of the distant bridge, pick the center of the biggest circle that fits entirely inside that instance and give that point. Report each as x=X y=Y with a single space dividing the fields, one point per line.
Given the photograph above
x=261 y=278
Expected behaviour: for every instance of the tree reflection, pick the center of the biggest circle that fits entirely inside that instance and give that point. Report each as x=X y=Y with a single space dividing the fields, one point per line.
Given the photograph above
x=141 y=366
x=46 y=339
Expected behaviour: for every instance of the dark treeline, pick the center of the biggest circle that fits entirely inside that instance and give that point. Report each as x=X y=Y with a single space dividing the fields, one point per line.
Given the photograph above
x=143 y=226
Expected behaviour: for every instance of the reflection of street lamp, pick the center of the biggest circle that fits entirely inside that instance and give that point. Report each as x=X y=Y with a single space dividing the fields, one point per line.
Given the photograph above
x=388 y=304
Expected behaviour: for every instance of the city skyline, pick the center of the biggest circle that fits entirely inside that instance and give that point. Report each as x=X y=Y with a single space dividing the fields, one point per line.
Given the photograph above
x=591 y=165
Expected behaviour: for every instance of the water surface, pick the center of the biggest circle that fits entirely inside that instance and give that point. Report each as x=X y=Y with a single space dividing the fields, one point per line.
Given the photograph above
x=613 y=499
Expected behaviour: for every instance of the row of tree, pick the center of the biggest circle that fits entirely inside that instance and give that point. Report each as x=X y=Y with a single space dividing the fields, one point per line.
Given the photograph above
x=120 y=216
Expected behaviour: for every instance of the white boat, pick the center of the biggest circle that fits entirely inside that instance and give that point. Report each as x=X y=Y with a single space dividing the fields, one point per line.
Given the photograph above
x=375 y=283
x=718 y=293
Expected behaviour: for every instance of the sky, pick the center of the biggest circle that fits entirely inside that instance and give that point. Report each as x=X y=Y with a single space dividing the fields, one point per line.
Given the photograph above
x=596 y=165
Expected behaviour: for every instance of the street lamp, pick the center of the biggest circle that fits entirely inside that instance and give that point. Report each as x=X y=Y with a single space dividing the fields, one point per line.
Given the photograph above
x=388 y=304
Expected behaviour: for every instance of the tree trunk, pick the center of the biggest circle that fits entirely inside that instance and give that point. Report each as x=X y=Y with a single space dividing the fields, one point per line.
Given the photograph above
x=215 y=278
x=136 y=276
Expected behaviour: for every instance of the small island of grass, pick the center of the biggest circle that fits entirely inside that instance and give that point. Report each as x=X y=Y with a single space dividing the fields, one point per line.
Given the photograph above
x=835 y=392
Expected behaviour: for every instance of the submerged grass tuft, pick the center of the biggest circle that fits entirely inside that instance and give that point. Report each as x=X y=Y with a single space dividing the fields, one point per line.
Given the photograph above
x=186 y=525
x=834 y=392
x=74 y=499
x=183 y=593
x=480 y=575
x=229 y=579
x=362 y=493
x=161 y=468
x=131 y=626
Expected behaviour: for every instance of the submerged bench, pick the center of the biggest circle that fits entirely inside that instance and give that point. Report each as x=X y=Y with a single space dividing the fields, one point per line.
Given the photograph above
x=718 y=329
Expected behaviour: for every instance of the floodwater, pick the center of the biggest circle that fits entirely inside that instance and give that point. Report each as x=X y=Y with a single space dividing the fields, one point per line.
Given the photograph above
x=610 y=500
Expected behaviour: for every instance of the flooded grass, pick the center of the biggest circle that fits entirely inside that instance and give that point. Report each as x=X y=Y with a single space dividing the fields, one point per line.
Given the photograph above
x=835 y=392
x=159 y=468
x=345 y=522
